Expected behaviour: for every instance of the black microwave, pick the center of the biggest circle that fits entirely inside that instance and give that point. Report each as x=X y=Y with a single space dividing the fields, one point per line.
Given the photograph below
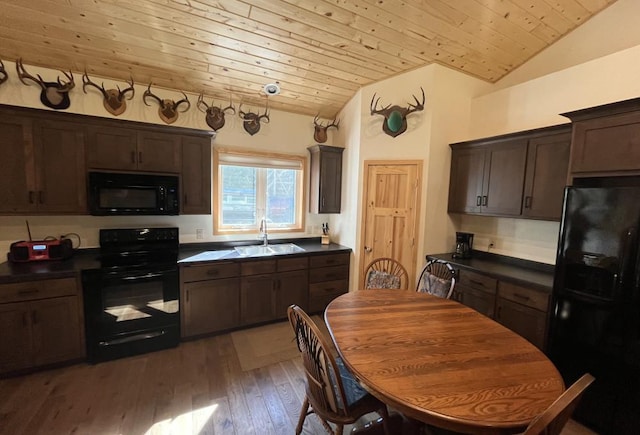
x=113 y=193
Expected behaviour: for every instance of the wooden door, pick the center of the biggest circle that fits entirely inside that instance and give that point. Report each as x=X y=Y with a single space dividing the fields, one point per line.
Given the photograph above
x=56 y=330
x=546 y=176
x=196 y=175
x=390 y=214
x=504 y=177
x=465 y=185
x=60 y=163
x=211 y=306
x=112 y=148
x=17 y=165
x=15 y=337
x=159 y=152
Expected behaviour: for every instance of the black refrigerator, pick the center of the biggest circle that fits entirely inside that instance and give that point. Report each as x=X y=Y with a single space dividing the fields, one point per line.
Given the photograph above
x=595 y=316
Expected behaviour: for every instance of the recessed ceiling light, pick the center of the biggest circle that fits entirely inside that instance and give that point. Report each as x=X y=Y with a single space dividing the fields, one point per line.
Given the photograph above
x=271 y=89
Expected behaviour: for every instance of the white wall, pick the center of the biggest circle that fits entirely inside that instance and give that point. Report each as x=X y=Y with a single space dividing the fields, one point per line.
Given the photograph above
x=538 y=103
x=445 y=119
x=286 y=133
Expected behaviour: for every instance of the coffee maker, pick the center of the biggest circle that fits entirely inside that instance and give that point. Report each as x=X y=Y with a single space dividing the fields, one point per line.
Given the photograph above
x=464 y=244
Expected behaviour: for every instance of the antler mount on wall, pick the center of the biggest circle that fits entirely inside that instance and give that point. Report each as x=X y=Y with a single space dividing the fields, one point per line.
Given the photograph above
x=395 y=117
x=113 y=99
x=320 y=130
x=53 y=94
x=214 y=114
x=167 y=109
x=251 y=121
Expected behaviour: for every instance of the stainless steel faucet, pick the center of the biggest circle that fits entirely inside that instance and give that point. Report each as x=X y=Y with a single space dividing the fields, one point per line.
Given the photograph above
x=263 y=232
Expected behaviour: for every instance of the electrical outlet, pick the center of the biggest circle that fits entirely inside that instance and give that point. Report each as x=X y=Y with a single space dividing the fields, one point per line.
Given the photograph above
x=492 y=244
x=199 y=233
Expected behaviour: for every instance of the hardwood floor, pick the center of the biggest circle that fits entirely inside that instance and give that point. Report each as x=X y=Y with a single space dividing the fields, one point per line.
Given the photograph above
x=197 y=388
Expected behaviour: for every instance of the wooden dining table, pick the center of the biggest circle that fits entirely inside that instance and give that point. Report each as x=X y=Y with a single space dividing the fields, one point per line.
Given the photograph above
x=440 y=362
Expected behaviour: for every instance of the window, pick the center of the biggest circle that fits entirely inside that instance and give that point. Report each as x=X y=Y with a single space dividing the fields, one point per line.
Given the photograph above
x=251 y=185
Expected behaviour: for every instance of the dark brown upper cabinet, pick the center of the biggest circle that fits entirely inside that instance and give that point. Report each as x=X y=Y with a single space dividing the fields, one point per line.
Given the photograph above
x=127 y=149
x=546 y=176
x=519 y=175
x=42 y=169
x=326 y=179
x=606 y=140
x=196 y=175
x=488 y=179
x=46 y=156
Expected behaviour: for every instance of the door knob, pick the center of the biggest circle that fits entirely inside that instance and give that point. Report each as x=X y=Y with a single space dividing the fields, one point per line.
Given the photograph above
x=367 y=249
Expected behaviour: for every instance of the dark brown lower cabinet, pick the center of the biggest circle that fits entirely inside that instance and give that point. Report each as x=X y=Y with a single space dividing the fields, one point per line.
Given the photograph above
x=521 y=309
x=223 y=295
x=40 y=324
x=476 y=291
x=210 y=298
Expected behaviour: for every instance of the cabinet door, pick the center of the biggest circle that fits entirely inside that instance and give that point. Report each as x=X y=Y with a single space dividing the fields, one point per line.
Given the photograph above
x=503 y=181
x=17 y=166
x=196 y=175
x=210 y=306
x=111 y=148
x=61 y=173
x=57 y=335
x=606 y=144
x=291 y=288
x=465 y=185
x=257 y=299
x=159 y=152
x=546 y=176
x=478 y=300
x=326 y=179
x=526 y=321
x=15 y=337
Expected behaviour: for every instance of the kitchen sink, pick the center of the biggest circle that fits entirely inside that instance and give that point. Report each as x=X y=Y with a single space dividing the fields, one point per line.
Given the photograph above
x=261 y=250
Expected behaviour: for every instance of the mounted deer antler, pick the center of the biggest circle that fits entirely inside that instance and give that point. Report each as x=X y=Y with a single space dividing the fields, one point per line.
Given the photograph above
x=320 y=131
x=395 y=117
x=168 y=110
x=3 y=73
x=113 y=100
x=53 y=94
x=252 y=120
x=215 y=114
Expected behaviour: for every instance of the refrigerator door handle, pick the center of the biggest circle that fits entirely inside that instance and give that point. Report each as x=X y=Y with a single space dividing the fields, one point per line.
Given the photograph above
x=624 y=261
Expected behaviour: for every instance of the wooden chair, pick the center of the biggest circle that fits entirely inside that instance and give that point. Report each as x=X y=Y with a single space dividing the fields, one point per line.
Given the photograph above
x=331 y=391
x=551 y=421
x=437 y=278
x=386 y=273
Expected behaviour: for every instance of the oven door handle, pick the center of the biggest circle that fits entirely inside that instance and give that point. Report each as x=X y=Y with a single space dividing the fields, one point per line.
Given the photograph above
x=145 y=276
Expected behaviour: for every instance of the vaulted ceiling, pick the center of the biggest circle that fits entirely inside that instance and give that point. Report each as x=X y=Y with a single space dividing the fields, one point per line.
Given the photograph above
x=320 y=52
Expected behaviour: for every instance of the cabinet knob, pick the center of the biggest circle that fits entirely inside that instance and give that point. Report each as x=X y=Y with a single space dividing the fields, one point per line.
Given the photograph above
x=527 y=202
x=31 y=196
x=41 y=197
x=485 y=200
x=478 y=200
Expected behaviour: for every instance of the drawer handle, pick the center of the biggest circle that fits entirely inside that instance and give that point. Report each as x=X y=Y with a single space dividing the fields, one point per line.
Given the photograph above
x=213 y=272
x=28 y=291
x=523 y=297
x=328 y=290
x=330 y=275
x=473 y=281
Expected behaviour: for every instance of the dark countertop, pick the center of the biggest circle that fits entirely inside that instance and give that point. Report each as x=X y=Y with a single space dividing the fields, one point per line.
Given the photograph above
x=310 y=246
x=84 y=259
x=527 y=273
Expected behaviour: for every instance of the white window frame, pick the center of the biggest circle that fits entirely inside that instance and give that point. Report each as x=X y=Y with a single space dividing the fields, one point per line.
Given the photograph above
x=256 y=159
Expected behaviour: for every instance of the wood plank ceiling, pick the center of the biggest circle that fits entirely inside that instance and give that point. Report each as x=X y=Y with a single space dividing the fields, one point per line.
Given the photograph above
x=320 y=52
